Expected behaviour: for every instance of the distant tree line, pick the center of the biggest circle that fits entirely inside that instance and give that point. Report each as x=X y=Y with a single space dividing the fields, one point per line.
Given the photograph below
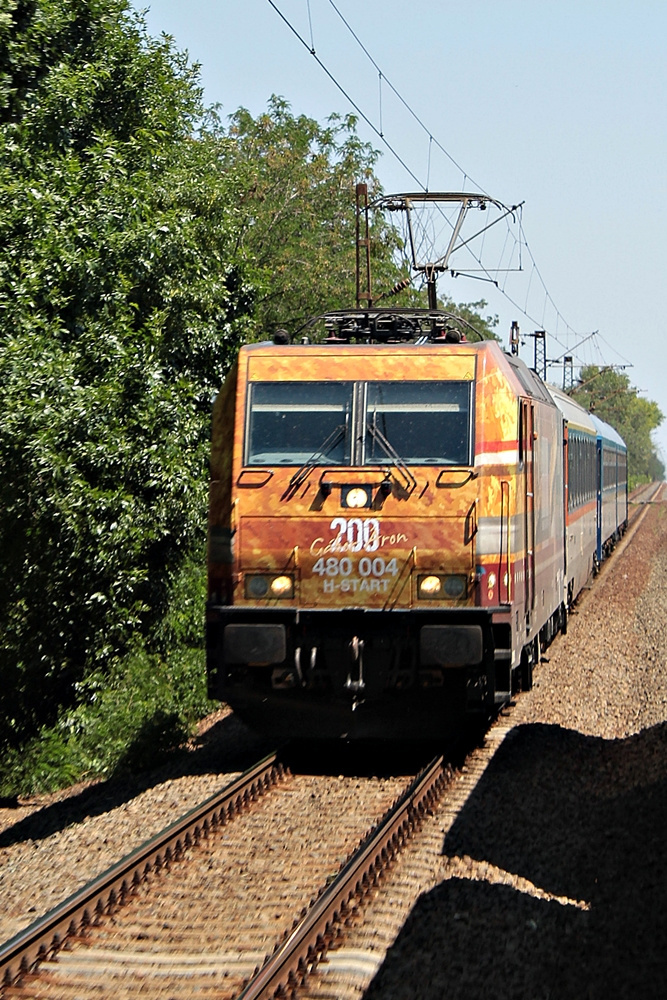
x=609 y=394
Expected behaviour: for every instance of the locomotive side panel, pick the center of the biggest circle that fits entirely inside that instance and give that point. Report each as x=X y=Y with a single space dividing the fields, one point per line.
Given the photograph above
x=496 y=467
x=501 y=542
x=220 y=528
x=549 y=514
x=522 y=499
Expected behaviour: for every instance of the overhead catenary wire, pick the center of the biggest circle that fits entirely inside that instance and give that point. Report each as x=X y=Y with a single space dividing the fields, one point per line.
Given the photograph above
x=480 y=187
x=400 y=97
x=416 y=117
x=618 y=353
x=364 y=116
x=466 y=176
x=555 y=361
x=379 y=132
x=428 y=165
x=310 y=23
x=524 y=242
x=380 y=101
x=345 y=94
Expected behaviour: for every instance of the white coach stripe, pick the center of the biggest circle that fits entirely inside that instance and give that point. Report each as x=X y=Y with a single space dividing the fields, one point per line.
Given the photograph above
x=497 y=458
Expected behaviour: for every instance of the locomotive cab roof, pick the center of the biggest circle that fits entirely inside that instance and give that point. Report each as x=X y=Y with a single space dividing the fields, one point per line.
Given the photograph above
x=385 y=326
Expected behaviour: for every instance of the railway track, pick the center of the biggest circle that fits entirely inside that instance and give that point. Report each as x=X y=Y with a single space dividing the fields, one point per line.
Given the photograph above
x=46 y=936
x=287 y=970
x=649 y=493
x=639 y=503
x=152 y=924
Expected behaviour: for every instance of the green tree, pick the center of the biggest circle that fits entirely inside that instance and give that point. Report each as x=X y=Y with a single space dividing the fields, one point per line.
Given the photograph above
x=473 y=314
x=121 y=299
x=296 y=194
x=609 y=395
x=295 y=183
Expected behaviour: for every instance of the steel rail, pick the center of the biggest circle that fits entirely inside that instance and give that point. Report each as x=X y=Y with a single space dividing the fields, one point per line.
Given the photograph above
x=638 y=504
x=304 y=947
x=46 y=935
x=646 y=493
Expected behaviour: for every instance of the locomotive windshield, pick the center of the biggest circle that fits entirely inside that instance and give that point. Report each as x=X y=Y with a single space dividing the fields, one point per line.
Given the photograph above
x=425 y=423
x=291 y=423
x=315 y=423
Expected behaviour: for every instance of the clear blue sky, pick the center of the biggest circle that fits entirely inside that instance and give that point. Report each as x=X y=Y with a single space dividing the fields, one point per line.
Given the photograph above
x=562 y=106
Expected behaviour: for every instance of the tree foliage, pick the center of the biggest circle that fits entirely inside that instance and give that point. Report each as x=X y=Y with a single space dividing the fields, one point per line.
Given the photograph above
x=609 y=395
x=474 y=315
x=296 y=187
x=121 y=297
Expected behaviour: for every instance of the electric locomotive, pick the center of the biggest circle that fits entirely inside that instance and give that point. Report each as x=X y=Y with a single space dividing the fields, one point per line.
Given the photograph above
x=398 y=522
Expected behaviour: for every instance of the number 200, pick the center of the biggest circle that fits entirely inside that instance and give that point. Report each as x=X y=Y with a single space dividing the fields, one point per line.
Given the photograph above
x=356 y=534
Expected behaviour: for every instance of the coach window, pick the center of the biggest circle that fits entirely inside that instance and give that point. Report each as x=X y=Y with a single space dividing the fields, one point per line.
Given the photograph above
x=290 y=423
x=581 y=470
x=609 y=468
x=424 y=423
x=572 y=470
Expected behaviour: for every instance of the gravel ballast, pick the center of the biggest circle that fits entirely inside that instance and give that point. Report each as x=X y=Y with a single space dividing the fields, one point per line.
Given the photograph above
x=52 y=845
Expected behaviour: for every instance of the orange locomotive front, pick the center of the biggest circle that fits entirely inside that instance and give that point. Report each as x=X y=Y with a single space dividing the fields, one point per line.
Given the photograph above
x=385 y=535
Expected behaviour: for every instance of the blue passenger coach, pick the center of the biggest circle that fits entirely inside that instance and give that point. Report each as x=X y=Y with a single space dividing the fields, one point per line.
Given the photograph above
x=595 y=477
x=612 y=487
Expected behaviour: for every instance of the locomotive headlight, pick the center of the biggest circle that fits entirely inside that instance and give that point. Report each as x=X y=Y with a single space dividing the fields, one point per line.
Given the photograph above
x=429 y=586
x=259 y=586
x=282 y=586
x=256 y=586
x=355 y=496
x=455 y=586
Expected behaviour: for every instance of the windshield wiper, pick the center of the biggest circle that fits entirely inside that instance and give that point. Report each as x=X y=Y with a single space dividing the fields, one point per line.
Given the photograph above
x=302 y=474
x=388 y=448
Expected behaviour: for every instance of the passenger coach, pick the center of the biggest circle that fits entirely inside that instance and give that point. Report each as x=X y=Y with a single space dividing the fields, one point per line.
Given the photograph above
x=612 y=487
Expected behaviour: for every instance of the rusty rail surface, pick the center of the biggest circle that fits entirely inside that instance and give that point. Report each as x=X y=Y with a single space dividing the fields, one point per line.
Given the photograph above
x=46 y=935
x=305 y=946
x=645 y=493
x=640 y=500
